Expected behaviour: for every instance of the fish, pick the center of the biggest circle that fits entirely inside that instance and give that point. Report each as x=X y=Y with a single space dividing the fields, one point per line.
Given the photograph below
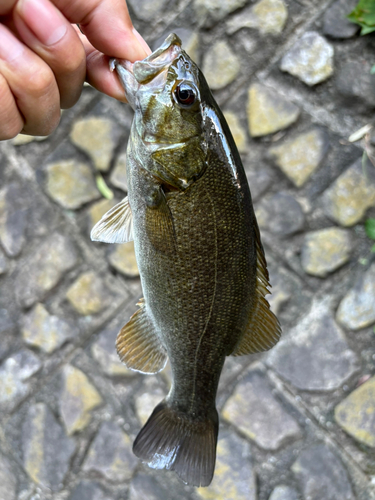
x=201 y=261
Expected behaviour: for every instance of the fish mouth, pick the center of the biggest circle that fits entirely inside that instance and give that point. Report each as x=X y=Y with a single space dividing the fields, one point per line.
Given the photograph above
x=133 y=75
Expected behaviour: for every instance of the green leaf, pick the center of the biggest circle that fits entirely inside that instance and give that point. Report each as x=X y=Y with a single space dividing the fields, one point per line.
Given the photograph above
x=370 y=228
x=372 y=70
x=364 y=15
x=373 y=249
x=367 y=29
x=103 y=188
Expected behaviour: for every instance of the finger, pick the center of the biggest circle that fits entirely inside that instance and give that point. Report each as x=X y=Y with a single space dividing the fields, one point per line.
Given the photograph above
x=98 y=74
x=6 y=6
x=11 y=121
x=43 y=28
x=107 y=25
x=32 y=84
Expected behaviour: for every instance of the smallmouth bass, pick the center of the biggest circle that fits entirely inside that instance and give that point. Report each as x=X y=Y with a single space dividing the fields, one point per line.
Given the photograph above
x=202 y=266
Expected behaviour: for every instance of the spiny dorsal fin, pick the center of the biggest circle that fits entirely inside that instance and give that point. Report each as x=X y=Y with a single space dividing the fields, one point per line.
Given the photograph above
x=138 y=344
x=116 y=226
x=263 y=329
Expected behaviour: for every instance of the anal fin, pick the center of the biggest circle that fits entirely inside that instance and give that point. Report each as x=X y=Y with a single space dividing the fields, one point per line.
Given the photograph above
x=263 y=329
x=138 y=344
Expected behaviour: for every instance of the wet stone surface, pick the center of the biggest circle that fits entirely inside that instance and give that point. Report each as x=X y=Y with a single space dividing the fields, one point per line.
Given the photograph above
x=210 y=11
x=89 y=490
x=284 y=493
x=321 y=474
x=246 y=408
x=267 y=16
x=335 y=23
x=88 y=294
x=13 y=219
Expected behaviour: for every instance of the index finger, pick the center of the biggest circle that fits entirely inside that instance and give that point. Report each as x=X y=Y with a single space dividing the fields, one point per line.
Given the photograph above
x=107 y=25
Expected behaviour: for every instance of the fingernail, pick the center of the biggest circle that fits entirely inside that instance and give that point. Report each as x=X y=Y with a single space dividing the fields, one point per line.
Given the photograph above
x=43 y=19
x=10 y=47
x=144 y=45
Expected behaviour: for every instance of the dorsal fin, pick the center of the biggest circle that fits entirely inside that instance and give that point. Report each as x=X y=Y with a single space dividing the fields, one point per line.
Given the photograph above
x=263 y=329
x=116 y=226
x=138 y=344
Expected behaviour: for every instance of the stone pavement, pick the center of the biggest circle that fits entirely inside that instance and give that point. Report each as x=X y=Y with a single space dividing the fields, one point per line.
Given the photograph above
x=293 y=79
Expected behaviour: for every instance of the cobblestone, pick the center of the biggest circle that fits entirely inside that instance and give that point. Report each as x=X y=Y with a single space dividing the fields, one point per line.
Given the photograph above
x=356 y=413
x=322 y=475
x=251 y=400
x=356 y=310
x=310 y=59
x=293 y=80
x=110 y=454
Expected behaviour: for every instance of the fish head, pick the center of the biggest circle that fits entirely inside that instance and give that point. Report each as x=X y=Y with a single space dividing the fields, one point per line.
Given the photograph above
x=163 y=90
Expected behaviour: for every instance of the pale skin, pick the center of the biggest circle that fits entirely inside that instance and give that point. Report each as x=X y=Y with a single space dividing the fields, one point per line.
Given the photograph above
x=45 y=59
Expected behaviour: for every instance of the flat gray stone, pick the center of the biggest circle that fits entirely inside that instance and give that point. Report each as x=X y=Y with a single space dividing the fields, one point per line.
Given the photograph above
x=97 y=137
x=252 y=399
x=44 y=268
x=89 y=490
x=354 y=80
x=47 y=451
x=77 y=399
x=8 y=329
x=238 y=132
x=13 y=219
x=104 y=352
x=357 y=308
x=315 y=355
x=356 y=413
x=148 y=398
x=281 y=214
x=209 y=12
x=147 y=10
x=234 y=477
x=122 y=258
x=325 y=250
x=268 y=112
x=45 y=331
x=259 y=181
x=322 y=475
x=110 y=454
x=283 y=492
x=267 y=16
x=301 y=156
x=310 y=59
x=88 y=294
x=71 y=184
x=335 y=22
x=8 y=480
x=118 y=174
x=348 y=198
x=15 y=373
x=3 y=263
x=144 y=487
x=220 y=65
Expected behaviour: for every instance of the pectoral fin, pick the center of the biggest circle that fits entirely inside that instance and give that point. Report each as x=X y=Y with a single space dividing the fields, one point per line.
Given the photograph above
x=160 y=228
x=138 y=344
x=116 y=226
x=263 y=329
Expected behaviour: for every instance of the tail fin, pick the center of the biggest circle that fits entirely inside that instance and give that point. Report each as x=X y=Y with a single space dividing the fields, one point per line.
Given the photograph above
x=170 y=440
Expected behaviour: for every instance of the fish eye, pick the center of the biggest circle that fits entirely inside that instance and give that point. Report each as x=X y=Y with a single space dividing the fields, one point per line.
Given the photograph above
x=185 y=95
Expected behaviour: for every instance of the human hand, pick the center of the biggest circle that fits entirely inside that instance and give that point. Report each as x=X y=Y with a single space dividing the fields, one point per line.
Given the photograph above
x=44 y=58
